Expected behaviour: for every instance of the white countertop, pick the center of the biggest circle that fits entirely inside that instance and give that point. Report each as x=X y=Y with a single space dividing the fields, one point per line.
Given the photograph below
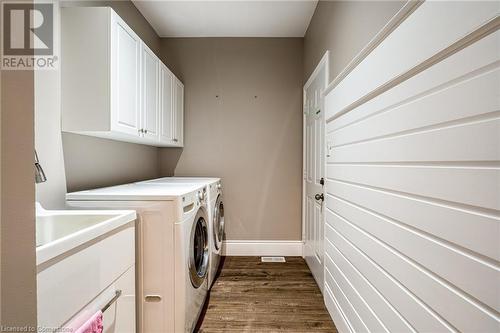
x=135 y=192
x=181 y=180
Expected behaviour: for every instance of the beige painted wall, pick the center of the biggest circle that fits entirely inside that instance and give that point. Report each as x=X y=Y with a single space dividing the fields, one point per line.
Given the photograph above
x=0 y=198
x=250 y=135
x=18 y=270
x=129 y=13
x=94 y=162
x=344 y=28
x=73 y=162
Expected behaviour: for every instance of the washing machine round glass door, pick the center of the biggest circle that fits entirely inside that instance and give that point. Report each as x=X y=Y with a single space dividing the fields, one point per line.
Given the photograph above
x=218 y=227
x=198 y=256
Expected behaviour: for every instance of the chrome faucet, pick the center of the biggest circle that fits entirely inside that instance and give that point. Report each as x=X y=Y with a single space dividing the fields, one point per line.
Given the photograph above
x=39 y=174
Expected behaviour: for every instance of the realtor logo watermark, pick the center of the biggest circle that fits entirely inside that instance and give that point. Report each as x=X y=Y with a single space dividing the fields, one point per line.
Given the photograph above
x=28 y=36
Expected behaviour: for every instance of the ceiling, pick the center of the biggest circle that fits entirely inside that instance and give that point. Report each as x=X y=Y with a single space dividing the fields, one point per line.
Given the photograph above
x=258 y=18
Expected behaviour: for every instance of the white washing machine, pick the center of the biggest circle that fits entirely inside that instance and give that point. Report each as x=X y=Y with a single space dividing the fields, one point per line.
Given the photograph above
x=215 y=211
x=173 y=249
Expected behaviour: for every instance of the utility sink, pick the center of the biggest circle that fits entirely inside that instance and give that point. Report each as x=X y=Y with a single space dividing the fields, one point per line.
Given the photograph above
x=56 y=225
x=84 y=258
x=58 y=231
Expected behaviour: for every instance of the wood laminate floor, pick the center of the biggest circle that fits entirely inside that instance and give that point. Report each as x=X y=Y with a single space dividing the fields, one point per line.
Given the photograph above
x=251 y=296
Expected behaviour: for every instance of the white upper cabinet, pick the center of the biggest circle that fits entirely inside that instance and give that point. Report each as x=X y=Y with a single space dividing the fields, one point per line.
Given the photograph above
x=178 y=122
x=171 y=108
x=113 y=85
x=150 y=95
x=166 y=105
x=125 y=81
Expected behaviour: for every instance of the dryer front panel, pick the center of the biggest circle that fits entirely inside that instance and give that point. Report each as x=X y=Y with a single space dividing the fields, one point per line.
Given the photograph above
x=218 y=223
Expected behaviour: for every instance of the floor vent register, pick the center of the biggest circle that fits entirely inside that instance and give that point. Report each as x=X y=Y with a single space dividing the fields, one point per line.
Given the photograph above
x=272 y=259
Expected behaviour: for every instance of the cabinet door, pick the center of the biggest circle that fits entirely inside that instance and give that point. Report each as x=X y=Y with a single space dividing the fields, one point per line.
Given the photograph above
x=125 y=78
x=150 y=94
x=166 y=106
x=178 y=113
x=120 y=316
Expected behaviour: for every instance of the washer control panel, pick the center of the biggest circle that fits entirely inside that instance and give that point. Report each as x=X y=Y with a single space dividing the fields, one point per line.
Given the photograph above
x=215 y=189
x=202 y=195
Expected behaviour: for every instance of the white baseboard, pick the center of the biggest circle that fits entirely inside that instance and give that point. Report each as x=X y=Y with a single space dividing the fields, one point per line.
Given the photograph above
x=262 y=248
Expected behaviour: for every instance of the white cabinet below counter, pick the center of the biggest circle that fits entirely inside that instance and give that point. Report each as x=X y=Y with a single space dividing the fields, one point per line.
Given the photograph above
x=85 y=263
x=113 y=86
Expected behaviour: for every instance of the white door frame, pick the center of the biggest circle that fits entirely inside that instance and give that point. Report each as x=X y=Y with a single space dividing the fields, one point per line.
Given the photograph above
x=323 y=63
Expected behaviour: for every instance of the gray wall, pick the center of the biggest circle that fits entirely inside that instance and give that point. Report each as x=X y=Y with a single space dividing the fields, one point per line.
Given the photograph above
x=344 y=28
x=74 y=162
x=250 y=135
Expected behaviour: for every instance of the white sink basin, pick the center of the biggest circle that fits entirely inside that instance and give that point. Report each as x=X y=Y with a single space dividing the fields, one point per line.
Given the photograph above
x=61 y=224
x=58 y=231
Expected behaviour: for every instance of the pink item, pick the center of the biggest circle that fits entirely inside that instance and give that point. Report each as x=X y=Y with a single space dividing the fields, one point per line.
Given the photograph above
x=92 y=325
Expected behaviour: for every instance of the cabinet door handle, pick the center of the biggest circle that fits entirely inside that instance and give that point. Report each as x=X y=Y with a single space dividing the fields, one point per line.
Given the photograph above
x=175 y=140
x=152 y=298
x=145 y=131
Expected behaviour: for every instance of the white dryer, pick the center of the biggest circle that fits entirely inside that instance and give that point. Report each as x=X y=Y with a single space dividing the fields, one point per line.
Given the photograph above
x=173 y=249
x=215 y=211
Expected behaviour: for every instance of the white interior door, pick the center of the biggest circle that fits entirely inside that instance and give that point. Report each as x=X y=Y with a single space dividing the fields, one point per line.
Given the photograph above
x=313 y=210
x=150 y=90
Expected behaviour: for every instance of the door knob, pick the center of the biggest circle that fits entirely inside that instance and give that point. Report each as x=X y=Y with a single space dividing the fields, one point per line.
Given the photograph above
x=319 y=197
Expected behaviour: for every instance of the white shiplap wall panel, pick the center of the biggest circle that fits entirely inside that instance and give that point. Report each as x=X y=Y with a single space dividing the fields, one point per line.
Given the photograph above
x=467 y=63
x=337 y=313
x=380 y=305
x=351 y=313
x=412 y=235
x=453 y=102
x=444 y=221
x=476 y=186
x=462 y=312
x=480 y=138
x=461 y=269
x=370 y=319
x=421 y=317
x=433 y=27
